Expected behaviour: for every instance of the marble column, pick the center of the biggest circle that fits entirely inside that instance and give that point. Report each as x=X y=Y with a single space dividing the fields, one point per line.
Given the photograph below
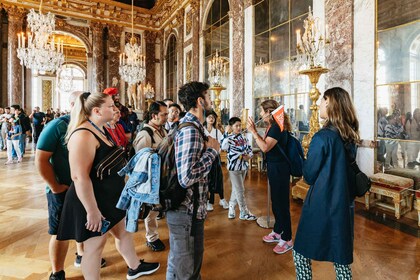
x=339 y=16
x=195 y=10
x=150 y=39
x=114 y=49
x=98 y=67
x=237 y=98
x=180 y=49
x=14 y=69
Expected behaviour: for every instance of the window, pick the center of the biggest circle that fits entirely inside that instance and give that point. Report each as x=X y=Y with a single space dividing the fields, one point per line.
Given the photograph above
x=275 y=73
x=71 y=78
x=171 y=69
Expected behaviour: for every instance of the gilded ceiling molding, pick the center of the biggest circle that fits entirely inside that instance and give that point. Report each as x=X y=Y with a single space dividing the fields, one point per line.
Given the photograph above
x=195 y=6
x=81 y=32
x=14 y=12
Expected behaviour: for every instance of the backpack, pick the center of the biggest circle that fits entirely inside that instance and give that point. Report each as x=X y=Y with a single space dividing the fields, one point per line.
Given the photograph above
x=294 y=155
x=171 y=193
x=361 y=182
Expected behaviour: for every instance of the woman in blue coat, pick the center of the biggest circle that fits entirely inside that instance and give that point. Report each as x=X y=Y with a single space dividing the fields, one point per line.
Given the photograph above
x=325 y=231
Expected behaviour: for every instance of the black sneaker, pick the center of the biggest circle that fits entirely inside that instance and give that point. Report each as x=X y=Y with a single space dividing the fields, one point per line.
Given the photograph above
x=144 y=268
x=59 y=275
x=78 y=261
x=156 y=245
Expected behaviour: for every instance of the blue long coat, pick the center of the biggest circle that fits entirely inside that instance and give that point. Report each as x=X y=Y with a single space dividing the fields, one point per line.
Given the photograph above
x=325 y=231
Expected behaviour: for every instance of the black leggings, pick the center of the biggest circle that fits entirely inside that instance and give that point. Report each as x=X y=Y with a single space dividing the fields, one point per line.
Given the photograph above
x=211 y=199
x=279 y=179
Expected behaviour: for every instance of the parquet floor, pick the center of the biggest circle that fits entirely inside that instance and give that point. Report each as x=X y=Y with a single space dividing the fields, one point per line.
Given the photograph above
x=233 y=248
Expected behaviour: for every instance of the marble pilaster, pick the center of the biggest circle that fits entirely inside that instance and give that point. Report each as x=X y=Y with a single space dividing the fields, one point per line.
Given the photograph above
x=14 y=69
x=180 y=49
x=195 y=10
x=150 y=39
x=236 y=14
x=114 y=50
x=339 y=16
x=98 y=69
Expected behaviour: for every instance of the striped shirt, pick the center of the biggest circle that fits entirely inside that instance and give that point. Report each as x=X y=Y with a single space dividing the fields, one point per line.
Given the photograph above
x=193 y=163
x=237 y=146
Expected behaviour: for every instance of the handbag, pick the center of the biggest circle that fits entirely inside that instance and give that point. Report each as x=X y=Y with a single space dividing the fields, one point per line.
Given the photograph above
x=113 y=162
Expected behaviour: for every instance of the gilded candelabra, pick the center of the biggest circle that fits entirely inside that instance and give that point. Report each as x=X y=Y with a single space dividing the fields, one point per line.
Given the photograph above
x=309 y=48
x=217 y=73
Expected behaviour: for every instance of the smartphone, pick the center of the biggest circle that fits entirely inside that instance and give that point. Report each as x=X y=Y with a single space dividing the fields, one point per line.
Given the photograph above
x=105 y=226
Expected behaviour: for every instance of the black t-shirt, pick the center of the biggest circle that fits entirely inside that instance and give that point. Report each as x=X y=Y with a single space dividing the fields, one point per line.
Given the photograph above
x=38 y=118
x=274 y=155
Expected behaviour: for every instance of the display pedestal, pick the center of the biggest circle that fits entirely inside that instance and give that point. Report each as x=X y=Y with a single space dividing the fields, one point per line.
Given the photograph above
x=267 y=221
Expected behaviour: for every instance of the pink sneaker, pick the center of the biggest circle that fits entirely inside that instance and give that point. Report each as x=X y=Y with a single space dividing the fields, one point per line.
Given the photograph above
x=283 y=246
x=272 y=237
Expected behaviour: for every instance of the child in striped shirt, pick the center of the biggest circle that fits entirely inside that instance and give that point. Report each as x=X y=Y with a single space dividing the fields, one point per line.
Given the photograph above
x=239 y=152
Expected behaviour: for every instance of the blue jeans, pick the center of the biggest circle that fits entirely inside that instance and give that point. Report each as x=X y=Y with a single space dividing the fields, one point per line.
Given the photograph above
x=186 y=251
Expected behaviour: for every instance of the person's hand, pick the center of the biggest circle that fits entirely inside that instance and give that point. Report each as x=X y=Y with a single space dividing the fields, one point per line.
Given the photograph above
x=228 y=129
x=59 y=188
x=246 y=157
x=213 y=143
x=251 y=126
x=94 y=221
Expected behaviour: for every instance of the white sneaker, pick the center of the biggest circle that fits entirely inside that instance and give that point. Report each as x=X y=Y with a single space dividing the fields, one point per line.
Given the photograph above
x=247 y=216
x=231 y=213
x=224 y=203
x=8 y=162
x=209 y=207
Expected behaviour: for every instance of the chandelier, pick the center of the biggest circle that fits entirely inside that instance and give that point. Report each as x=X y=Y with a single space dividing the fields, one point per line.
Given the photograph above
x=35 y=51
x=149 y=91
x=217 y=70
x=311 y=45
x=66 y=79
x=132 y=63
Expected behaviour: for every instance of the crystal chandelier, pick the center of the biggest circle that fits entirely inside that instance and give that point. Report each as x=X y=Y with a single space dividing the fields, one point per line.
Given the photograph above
x=149 y=91
x=132 y=63
x=311 y=45
x=35 y=51
x=66 y=79
x=217 y=70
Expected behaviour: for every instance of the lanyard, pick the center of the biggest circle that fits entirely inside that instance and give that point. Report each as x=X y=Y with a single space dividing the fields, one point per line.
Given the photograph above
x=102 y=132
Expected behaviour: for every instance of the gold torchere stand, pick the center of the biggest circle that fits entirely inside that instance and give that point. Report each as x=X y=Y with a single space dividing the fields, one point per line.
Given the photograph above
x=217 y=90
x=301 y=188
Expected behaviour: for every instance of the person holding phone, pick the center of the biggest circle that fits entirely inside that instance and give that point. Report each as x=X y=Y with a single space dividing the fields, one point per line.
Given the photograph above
x=91 y=199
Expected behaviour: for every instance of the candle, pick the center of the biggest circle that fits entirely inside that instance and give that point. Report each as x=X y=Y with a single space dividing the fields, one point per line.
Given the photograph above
x=298 y=37
x=19 y=41
x=120 y=58
x=23 y=40
x=327 y=37
x=62 y=45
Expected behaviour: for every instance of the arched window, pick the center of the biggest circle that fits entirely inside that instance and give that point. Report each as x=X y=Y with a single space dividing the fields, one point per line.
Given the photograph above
x=171 y=69
x=217 y=39
x=70 y=78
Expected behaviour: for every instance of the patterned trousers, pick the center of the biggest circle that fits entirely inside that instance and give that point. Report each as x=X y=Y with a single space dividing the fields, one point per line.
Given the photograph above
x=304 y=268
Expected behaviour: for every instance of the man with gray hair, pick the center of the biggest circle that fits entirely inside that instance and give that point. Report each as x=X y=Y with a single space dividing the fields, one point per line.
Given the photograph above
x=52 y=162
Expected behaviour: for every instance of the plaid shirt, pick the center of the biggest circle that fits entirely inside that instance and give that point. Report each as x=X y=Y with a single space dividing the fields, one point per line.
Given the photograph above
x=193 y=163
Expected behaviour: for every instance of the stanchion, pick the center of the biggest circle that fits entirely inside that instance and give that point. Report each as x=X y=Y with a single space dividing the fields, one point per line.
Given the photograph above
x=267 y=221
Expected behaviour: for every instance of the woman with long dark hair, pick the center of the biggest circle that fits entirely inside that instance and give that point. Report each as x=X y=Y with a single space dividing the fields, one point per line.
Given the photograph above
x=325 y=231
x=278 y=172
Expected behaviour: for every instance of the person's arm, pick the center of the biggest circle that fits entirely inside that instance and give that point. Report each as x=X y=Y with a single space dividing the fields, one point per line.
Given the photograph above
x=315 y=159
x=266 y=144
x=84 y=143
x=45 y=169
x=192 y=166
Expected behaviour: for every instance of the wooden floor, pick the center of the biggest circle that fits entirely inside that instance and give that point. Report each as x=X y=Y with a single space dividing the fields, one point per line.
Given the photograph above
x=233 y=248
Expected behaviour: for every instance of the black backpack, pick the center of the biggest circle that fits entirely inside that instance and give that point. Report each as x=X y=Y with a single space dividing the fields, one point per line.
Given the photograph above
x=360 y=181
x=294 y=155
x=171 y=193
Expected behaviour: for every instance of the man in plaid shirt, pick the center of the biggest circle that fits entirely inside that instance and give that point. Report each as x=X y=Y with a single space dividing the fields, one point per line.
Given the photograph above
x=194 y=157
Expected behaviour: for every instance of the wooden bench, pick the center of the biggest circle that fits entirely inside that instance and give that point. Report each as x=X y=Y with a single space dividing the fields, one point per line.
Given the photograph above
x=395 y=187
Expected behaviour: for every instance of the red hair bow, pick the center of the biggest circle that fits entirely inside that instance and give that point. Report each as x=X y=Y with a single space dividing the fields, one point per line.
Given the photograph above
x=111 y=91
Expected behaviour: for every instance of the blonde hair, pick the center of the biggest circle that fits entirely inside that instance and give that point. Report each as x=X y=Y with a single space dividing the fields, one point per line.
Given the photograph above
x=342 y=115
x=269 y=106
x=82 y=109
